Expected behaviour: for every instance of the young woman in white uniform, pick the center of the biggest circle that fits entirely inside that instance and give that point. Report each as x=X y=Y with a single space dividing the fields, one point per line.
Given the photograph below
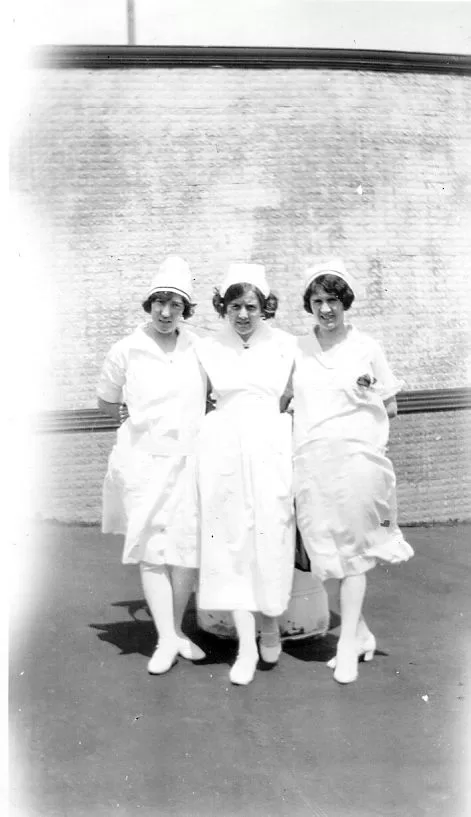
x=344 y=393
x=152 y=382
x=245 y=468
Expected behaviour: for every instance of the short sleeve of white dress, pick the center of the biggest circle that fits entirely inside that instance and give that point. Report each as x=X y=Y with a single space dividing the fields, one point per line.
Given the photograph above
x=113 y=374
x=387 y=384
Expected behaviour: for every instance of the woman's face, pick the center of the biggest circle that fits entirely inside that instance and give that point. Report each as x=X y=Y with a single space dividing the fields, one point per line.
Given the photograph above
x=165 y=312
x=327 y=309
x=244 y=314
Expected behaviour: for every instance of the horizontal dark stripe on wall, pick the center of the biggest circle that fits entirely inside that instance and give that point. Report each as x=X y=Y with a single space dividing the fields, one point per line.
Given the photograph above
x=150 y=56
x=87 y=420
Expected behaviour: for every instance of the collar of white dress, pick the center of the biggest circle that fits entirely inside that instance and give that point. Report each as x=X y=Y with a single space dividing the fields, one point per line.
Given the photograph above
x=230 y=336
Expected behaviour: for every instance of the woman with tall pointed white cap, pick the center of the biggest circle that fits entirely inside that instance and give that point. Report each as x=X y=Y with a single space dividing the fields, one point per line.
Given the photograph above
x=153 y=384
x=245 y=468
x=344 y=393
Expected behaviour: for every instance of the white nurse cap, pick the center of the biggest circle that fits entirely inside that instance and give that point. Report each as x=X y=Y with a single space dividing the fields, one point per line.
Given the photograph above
x=253 y=274
x=173 y=275
x=331 y=266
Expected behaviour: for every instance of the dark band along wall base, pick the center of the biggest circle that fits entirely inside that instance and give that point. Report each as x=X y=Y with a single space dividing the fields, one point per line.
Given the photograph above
x=145 y=56
x=89 y=420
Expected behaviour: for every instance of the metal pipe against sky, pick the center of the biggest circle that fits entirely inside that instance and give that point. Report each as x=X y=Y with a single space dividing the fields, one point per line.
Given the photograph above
x=131 y=16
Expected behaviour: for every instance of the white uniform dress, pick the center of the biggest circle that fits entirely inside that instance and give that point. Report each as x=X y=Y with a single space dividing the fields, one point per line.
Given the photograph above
x=345 y=486
x=149 y=491
x=245 y=474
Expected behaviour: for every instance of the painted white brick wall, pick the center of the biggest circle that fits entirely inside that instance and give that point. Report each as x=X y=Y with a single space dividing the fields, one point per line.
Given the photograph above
x=115 y=169
x=431 y=454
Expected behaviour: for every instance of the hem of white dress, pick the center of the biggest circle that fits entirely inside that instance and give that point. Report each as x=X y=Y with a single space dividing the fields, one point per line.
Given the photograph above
x=341 y=570
x=117 y=530
x=392 y=549
x=217 y=608
x=127 y=560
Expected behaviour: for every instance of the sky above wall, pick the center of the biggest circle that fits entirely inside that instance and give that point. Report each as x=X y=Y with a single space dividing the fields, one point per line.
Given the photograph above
x=423 y=25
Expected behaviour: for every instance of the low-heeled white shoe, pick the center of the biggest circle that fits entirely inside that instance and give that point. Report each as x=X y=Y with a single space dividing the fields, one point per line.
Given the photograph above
x=243 y=671
x=163 y=659
x=270 y=647
x=346 y=665
x=366 y=650
x=187 y=649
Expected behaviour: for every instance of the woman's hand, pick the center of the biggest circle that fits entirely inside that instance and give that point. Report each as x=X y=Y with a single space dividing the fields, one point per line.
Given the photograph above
x=364 y=387
x=366 y=381
x=117 y=411
x=210 y=398
x=210 y=403
x=391 y=407
x=123 y=413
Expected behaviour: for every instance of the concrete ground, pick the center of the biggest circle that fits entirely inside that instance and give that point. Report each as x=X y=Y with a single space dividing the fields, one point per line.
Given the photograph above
x=93 y=735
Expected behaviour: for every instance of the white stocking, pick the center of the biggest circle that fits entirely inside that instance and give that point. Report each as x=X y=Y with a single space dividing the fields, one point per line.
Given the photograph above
x=183 y=583
x=244 y=622
x=158 y=593
x=242 y=672
x=352 y=593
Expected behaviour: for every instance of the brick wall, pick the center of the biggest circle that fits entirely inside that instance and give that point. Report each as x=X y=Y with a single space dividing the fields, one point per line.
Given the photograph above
x=113 y=170
x=431 y=454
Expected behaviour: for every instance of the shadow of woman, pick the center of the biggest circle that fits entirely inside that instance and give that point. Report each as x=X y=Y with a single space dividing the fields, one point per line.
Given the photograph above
x=138 y=635
x=135 y=635
x=319 y=648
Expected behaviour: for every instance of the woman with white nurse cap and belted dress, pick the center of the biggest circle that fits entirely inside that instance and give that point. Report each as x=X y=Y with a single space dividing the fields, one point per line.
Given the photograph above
x=245 y=468
x=153 y=383
x=344 y=393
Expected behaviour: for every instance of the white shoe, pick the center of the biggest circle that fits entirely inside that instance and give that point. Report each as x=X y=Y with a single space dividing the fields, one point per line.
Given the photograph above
x=346 y=664
x=365 y=649
x=187 y=649
x=368 y=648
x=243 y=671
x=163 y=659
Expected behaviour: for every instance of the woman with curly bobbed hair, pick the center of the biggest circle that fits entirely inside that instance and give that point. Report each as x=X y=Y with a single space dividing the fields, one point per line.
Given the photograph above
x=344 y=392
x=244 y=468
x=152 y=383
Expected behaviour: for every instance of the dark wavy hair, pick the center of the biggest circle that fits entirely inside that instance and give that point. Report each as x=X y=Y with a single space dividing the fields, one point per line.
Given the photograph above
x=268 y=305
x=188 y=307
x=333 y=285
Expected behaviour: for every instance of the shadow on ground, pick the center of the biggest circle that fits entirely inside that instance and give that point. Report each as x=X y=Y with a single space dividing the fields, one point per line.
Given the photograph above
x=92 y=734
x=137 y=635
